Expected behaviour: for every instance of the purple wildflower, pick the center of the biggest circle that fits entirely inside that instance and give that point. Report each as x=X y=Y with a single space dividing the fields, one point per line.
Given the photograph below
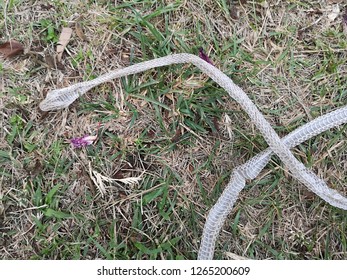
x=203 y=56
x=80 y=142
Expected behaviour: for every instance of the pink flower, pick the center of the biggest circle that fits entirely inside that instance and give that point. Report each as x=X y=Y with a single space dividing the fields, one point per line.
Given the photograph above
x=203 y=56
x=80 y=142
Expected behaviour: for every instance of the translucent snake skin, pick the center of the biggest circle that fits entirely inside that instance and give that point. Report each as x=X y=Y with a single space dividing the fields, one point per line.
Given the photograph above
x=62 y=98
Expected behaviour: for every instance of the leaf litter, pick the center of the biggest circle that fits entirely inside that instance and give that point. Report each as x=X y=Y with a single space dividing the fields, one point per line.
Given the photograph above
x=64 y=39
x=11 y=49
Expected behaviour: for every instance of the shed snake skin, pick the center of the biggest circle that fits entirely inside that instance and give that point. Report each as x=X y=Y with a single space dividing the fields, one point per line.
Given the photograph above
x=62 y=98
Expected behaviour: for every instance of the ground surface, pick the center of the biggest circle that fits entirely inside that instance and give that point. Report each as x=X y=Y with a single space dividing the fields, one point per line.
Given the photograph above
x=172 y=126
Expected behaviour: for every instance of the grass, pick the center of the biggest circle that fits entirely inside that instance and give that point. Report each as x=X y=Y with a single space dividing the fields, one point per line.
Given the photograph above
x=168 y=126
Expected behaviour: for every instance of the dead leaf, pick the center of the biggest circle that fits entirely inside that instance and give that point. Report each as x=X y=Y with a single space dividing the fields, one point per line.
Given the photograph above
x=64 y=39
x=80 y=33
x=11 y=49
